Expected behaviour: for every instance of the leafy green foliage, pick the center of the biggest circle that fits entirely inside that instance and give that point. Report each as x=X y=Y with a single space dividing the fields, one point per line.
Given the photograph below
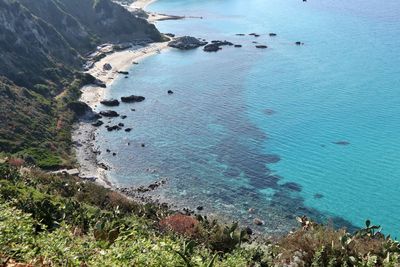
x=49 y=220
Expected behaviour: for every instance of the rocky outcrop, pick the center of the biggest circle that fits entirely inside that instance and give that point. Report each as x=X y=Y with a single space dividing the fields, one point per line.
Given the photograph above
x=79 y=108
x=132 y=99
x=216 y=45
x=98 y=123
x=109 y=113
x=110 y=102
x=211 y=48
x=186 y=42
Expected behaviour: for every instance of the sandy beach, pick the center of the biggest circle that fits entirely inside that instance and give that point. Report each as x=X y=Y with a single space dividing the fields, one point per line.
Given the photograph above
x=84 y=133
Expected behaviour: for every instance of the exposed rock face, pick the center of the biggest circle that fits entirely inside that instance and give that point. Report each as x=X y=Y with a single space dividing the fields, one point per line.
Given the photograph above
x=79 y=108
x=110 y=102
x=132 y=99
x=186 y=42
x=109 y=113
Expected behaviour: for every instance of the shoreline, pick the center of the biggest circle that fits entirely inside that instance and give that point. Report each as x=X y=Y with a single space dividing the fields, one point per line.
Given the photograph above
x=83 y=133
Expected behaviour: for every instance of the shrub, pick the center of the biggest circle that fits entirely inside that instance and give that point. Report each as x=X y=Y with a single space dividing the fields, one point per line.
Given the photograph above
x=180 y=224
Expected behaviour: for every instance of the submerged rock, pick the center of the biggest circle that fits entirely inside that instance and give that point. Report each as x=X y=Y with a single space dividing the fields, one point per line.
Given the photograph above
x=257 y=221
x=132 y=98
x=238 y=45
x=186 y=42
x=261 y=46
x=170 y=92
x=342 y=143
x=110 y=102
x=299 y=43
x=272 y=34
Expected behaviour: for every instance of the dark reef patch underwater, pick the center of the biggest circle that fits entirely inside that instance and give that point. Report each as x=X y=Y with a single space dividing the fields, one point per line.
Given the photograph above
x=255 y=128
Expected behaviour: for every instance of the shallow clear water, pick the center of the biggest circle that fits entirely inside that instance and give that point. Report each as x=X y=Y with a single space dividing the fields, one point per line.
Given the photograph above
x=252 y=128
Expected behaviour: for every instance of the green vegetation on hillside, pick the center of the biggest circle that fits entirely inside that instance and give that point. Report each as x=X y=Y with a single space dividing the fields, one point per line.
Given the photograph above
x=48 y=220
x=42 y=44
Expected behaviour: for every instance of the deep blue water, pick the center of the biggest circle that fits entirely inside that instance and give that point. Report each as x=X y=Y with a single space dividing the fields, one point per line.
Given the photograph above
x=252 y=128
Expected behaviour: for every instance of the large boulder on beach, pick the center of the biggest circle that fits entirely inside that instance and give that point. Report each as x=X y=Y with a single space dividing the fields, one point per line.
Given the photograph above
x=186 y=42
x=107 y=66
x=109 y=113
x=110 y=102
x=132 y=98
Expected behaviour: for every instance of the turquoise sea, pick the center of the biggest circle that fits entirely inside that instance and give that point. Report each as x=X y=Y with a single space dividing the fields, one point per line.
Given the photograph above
x=254 y=128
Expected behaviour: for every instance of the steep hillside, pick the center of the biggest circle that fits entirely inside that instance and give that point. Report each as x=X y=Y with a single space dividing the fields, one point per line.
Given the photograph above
x=38 y=36
x=42 y=48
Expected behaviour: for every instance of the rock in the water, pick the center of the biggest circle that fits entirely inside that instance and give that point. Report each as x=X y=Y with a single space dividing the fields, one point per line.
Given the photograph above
x=109 y=113
x=200 y=208
x=170 y=35
x=261 y=46
x=121 y=124
x=299 y=43
x=132 y=98
x=123 y=117
x=113 y=128
x=272 y=34
x=128 y=130
x=98 y=123
x=238 y=45
x=211 y=48
x=170 y=92
x=123 y=72
x=216 y=45
x=110 y=102
x=342 y=143
x=186 y=42
x=258 y=222
x=240 y=34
